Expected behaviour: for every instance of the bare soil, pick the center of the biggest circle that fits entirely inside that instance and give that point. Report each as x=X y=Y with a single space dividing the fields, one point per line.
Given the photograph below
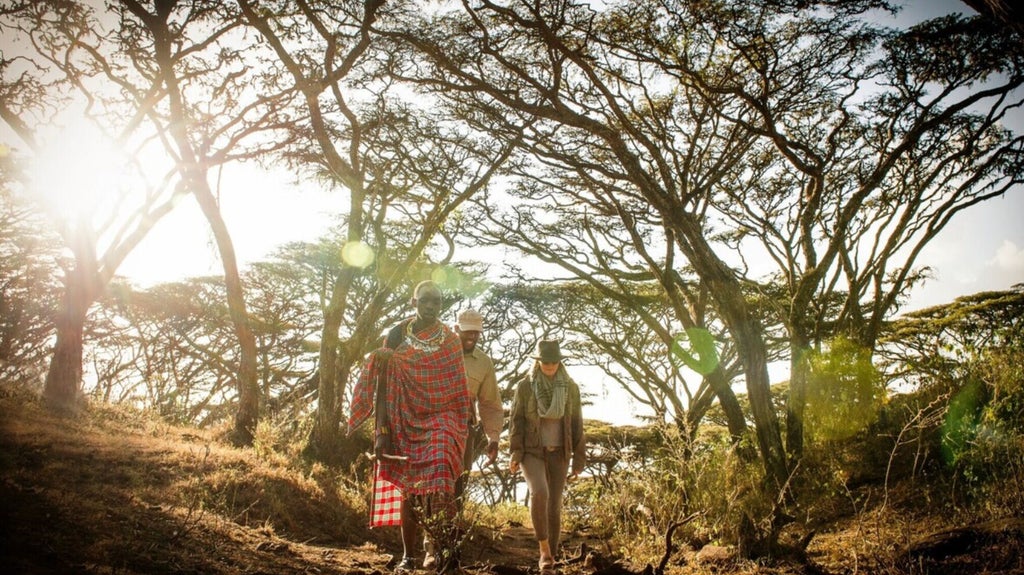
x=103 y=493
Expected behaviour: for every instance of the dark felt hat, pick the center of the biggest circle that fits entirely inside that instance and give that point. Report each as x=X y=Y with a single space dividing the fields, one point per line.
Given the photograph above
x=547 y=351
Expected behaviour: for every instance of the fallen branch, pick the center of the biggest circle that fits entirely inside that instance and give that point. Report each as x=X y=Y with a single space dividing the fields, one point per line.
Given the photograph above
x=660 y=570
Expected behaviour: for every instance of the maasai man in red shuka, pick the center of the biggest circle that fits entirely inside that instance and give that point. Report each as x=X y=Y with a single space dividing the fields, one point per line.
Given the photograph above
x=428 y=409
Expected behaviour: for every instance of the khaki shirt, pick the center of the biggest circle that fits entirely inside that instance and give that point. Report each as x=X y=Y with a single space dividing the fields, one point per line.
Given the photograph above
x=483 y=389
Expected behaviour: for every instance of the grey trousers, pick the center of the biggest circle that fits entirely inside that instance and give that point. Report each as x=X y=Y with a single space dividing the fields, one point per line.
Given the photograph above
x=545 y=478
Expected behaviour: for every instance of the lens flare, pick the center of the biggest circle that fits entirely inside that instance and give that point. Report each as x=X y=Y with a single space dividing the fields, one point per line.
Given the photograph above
x=357 y=254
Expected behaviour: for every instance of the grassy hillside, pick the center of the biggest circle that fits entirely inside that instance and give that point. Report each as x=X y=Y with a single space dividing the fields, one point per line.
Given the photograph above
x=115 y=492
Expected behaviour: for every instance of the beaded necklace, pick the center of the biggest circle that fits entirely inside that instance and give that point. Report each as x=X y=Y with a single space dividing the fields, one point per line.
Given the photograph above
x=430 y=344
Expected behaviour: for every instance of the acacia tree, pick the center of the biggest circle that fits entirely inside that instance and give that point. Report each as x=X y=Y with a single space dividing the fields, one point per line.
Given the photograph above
x=1002 y=12
x=716 y=121
x=934 y=343
x=29 y=289
x=169 y=348
x=403 y=173
x=623 y=327
x=197 y=59
x=862 y=159
x=57 y=51
x=608 y=127
x=173 y=78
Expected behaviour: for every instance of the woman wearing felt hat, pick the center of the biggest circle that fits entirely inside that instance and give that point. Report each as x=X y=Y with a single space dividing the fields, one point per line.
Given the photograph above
x=546 y=436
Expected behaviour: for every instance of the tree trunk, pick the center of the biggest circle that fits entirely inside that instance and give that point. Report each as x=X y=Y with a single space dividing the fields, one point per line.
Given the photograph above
x=769 y=439
x=730 y=405
x=325 y=435
x=797 y=400
x=193 y=168
x=746 y=329
x=63 y=387
x=325 y=439
x=247 y=415
x=64 y=378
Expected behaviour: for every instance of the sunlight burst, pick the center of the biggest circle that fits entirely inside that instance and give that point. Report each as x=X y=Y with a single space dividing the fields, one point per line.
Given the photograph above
x=79 y=173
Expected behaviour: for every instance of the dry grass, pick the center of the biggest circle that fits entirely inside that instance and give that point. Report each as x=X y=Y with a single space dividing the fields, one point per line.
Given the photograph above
x=116 y=492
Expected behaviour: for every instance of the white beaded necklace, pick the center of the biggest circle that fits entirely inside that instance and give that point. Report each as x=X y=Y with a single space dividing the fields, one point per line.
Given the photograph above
x=430 y=345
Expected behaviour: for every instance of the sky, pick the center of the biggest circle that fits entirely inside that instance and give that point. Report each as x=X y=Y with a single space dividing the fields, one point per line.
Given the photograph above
x=263 y=211
x=982 y=249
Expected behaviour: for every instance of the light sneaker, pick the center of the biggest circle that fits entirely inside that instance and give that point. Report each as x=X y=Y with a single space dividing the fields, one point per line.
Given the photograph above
x=429 y=558
x=406 y=565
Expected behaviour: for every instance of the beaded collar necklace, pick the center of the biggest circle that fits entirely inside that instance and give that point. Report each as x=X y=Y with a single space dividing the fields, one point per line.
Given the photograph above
x=430 y=344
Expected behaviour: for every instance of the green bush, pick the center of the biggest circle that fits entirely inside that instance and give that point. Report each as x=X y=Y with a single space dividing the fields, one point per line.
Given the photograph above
x=844 y=391
x=984 y=435
x=651 y=491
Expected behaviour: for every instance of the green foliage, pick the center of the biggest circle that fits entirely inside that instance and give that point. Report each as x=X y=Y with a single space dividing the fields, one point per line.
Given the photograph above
x=844 y=391
x=654 y=489
x=983 y=435
x=934 y=346
x=963 y=415
x=1003 y=370
x=496 y=516
x=964 y=422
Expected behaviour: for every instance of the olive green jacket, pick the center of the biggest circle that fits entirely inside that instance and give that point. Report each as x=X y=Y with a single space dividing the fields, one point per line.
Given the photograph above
x=524 y=425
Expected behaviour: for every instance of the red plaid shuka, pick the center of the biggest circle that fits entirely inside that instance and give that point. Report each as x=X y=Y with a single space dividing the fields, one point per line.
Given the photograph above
x=386 y=505
x=428 y=408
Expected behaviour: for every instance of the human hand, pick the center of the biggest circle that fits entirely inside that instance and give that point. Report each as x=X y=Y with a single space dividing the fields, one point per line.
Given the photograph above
x=573 y=476
x=492 y=452
x=513 y=466
x=383 y=354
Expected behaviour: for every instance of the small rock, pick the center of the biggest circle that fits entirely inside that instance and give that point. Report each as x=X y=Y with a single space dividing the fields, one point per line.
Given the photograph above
x=715 y=554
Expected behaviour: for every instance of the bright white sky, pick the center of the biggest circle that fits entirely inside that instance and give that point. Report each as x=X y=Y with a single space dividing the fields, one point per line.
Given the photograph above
x=263 y=212
x=981 y=250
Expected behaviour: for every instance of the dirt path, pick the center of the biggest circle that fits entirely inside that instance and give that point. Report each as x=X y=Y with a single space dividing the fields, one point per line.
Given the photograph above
x=509 y=550
x=513 y=546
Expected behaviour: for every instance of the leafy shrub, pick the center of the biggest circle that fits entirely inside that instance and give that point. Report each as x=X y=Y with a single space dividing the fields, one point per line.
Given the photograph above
x=984 y=435
x=676 y=480
x=844 y=391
